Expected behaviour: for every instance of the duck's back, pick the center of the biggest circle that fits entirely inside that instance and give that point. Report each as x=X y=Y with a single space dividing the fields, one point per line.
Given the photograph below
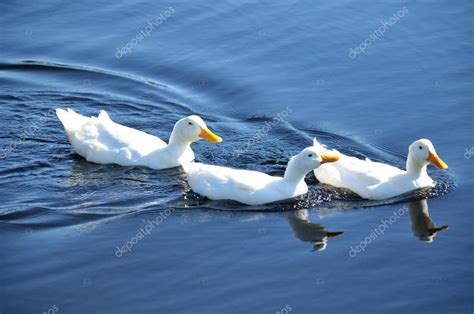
x=100 y=140
x=216 y=182
x=364 y=177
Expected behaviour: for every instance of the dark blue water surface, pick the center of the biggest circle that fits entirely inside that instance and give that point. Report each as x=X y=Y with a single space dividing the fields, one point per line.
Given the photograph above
x=238 y=64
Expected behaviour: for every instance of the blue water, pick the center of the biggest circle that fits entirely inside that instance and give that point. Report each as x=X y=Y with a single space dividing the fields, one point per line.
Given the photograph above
x=63 y=221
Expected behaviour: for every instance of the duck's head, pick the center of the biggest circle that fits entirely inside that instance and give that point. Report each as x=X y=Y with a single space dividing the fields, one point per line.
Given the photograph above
x=310 y=158
x=192 y=129
x=422 y=152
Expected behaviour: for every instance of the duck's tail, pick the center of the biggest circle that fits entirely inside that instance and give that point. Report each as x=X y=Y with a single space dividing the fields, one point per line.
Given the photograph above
x=317 y=144
x=104 y=116
x=322 y=148
x=186 y=166
x=71 y=120
x=191 y=167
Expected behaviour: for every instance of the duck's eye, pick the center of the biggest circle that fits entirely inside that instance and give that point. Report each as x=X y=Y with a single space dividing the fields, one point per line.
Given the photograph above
x=310 y=155
x=190 y=123
x=420 y=147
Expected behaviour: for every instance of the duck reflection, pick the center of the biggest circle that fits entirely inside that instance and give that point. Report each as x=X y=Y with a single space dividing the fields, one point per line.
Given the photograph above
x=307 y=231
x=422 y=225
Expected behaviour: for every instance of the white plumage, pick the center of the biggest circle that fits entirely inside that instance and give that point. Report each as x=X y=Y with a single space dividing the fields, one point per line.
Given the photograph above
x=101 y=140
x=377 y=181
x=253 y=187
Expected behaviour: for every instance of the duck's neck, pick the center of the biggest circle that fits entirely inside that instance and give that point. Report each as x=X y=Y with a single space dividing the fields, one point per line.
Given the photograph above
x=293 y=174
x=415 y=169
x=177 y=144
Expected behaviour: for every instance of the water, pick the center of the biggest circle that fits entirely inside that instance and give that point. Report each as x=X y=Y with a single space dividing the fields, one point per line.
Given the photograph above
x=63 y=221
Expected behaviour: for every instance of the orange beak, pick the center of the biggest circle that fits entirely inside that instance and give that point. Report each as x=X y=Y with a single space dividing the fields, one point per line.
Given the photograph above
x=436 y=161
x=329 y=158
x=209 y=136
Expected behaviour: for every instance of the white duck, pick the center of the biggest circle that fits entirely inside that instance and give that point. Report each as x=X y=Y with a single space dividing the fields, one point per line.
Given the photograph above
x=101 y=140
x=253 y=187
x=378 y=181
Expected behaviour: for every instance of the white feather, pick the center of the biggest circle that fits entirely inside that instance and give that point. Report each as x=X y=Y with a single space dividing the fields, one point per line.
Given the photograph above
x=101 y=140
x=252 y=187
x=375 y=180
